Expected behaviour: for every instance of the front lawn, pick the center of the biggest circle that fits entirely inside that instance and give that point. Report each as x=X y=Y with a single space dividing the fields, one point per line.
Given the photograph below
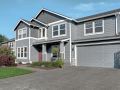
x=12 y=71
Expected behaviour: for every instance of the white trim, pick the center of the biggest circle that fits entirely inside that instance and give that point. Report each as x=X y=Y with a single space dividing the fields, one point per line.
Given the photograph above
x=59 y=30
x=70 y=43
x=64 y=52
x=116 y=26
x=39 y=21
x=45 y=37
x=22 y=29
x=27 y=38
x=93 y=27
x=56 y=22
x=23 y=53
x=65 y=40
x=25 y=22
x=113 y=42
x=29 y=46
x=75 y=47
x=53 y=13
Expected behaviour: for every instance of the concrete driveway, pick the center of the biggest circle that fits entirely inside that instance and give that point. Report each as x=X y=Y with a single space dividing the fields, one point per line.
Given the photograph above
x=69 y=78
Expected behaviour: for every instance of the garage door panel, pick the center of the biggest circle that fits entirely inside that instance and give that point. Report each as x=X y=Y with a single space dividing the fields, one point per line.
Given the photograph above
x=98 y=56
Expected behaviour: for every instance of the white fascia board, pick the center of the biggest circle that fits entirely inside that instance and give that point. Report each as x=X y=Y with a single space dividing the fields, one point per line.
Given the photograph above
x=54 y=13
x=39 y=22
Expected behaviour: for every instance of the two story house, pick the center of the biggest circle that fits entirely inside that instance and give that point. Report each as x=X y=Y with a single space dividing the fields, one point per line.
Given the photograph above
x=88 y=41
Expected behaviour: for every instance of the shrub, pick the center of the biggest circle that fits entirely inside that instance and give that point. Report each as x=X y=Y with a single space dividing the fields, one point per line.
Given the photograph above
x=6 y=57
x=56 y=64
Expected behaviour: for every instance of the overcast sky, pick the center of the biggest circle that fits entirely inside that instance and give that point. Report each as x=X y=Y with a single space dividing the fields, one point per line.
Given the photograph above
x=11 y=11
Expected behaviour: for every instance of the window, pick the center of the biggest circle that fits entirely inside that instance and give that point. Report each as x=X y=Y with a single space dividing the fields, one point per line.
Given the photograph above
x=22 y=33
x=55 y=30
x=95 y=27
x=62 y=29
x=59 y=30
x=25 y=51
x=98 y=26
x=22 y=52
x=42 y=33
x=89 y=28
x=18 y=52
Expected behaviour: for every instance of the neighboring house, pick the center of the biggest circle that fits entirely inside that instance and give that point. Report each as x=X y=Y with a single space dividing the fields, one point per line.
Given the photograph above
x=87 y=41
x=10 y=43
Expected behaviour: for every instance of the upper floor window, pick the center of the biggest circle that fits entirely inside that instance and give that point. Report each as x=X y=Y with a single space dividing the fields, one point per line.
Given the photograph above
x=59 y=30
x=92 y=28
x=42 y=33
x=55 y=30
x=98 y=26
x=22 y=33
x=89 y=28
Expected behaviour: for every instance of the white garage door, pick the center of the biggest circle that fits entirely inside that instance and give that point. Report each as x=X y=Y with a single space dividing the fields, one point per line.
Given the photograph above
x=97 y=55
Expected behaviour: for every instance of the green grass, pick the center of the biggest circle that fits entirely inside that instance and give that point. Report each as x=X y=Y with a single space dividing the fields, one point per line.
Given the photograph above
x=12 y=71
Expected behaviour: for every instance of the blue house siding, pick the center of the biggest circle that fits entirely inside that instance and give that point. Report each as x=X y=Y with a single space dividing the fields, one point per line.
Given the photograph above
x=75 y=45
x=109 y=30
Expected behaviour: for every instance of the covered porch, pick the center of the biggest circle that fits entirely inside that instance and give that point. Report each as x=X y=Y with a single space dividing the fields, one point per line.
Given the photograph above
x=46 y=52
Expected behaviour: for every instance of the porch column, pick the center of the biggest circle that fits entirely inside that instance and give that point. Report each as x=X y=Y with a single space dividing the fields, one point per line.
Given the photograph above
x=44 y=53
x=62 y=50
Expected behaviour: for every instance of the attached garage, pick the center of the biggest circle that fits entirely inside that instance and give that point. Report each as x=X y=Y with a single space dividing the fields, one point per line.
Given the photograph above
x=97 y=55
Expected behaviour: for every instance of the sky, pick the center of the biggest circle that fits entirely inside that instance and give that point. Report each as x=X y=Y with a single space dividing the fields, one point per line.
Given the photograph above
x=12 y=11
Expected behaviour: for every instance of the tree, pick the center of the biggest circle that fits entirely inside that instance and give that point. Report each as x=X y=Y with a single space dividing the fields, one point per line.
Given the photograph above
x=3 y=38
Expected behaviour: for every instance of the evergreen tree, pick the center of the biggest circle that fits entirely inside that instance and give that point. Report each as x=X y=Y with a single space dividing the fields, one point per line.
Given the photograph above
x=3 y=38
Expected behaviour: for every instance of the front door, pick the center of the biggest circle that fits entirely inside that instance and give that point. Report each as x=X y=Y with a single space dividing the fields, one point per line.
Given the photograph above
x=40 y=56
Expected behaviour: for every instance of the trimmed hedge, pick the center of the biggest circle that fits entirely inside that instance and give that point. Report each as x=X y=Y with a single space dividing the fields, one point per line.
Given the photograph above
x=56 y=64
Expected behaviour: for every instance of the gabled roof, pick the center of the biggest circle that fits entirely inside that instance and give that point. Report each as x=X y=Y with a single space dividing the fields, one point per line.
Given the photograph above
x=63 y=16
x=26 y=22
x=39 y=22
x=100 y=15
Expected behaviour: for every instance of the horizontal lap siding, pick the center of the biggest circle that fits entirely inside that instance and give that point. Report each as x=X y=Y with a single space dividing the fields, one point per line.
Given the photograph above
x=109 y=30
x=22 y=43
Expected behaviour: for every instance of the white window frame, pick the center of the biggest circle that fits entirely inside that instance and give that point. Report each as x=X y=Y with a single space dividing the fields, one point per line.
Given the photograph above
x=23 y=52
x=22 y=32
x=59 y=30
x=93 y=25
x=42 y=33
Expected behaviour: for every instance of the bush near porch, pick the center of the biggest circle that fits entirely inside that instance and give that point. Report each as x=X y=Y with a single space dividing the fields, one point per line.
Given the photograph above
x=55 y=64
x=7 y=58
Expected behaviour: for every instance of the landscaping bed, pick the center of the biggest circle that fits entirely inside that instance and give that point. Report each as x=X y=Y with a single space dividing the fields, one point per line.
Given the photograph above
x=6 y=72
x=48 y=65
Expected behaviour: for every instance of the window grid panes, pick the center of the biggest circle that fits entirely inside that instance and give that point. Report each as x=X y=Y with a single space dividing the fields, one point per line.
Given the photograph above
x=55 y=30
x=59 y=30
x=62 y=29
x=22 y=33
x=89 y=28
x=98 y=26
